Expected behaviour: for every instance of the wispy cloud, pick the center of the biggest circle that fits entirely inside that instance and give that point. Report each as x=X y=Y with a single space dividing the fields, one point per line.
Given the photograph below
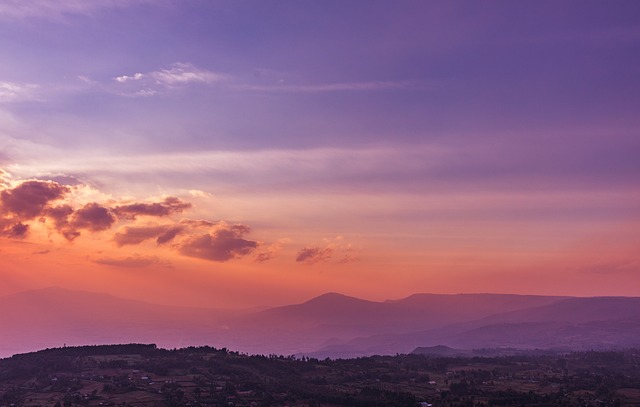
x=331 y=87
x=15 y=92
x=178 y=75
x=56 y=8
x=185 y=73
x=313 y=255
x=326 y=250
x=268 y=252
x=135 y=261
x=169 y=206
x=125 y=78
x=284 y=163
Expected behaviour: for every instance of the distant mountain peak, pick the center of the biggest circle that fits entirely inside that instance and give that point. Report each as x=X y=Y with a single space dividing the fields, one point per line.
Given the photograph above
x=332 y=297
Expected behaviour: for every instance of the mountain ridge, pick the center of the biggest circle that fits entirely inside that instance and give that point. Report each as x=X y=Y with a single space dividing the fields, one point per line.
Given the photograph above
x=329 y=324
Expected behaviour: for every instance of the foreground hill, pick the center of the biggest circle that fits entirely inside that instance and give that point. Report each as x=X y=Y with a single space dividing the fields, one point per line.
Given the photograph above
x=143 y=375
x=331 y=325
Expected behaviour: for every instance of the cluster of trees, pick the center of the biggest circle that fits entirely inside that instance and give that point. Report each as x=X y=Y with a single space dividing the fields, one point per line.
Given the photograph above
x=220 y=377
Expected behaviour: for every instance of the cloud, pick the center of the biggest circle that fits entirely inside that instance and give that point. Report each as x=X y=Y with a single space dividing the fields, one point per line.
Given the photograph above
x=132 y=235
x=60 y=217
x=222 y=245
x=205 y=239
x=10 y=9
x=33 y=198
x=165 y=208
x=185 y=73
x=326 y=250
x=125 y=78
x=262 y=167
x=93 y=217
x=5 y=178
x=169 y=234
x=333 y=87
x=222 y=242
x=264 y=256
x=129 y=262
x=612 y=267
x=199 y=223
x=348 y=258
x=176 y=76
x=13 y=92
x=29 y=199
x=268 y=252
x=19 y=231
x=313 y=255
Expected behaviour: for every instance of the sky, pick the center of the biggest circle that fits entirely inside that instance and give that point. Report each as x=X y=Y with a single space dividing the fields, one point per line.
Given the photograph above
x=249 y=153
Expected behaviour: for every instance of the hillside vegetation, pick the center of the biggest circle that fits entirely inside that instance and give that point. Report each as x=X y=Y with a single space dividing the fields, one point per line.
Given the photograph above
x=143 y=375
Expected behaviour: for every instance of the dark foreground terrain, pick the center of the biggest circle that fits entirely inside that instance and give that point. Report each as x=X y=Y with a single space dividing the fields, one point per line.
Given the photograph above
x=142 y=375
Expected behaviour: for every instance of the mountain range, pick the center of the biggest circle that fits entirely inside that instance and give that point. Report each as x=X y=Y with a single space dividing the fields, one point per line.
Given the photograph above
x=331 y=325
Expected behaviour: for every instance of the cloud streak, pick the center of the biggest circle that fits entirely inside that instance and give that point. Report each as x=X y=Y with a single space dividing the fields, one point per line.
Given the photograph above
x=134 y=235
x=182 y=73
x=16 y=92
x=171 y=205
x=177 y=76
x=57 y=8
x=334 y=87
x=130 y=261
x=313 y=255
x=325 y=251
x=283 y=164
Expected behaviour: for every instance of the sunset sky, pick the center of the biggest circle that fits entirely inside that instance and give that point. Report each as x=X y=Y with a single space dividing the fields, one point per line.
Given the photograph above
x=248 y=153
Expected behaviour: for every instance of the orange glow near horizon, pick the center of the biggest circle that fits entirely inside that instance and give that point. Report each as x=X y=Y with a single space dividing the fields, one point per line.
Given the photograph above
x=598 y=265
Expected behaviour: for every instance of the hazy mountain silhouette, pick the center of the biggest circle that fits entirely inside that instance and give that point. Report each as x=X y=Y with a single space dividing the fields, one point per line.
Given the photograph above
x=54 y=316
x=332 y=319
x=569 y=323
x=441 y=351
x=332 y=324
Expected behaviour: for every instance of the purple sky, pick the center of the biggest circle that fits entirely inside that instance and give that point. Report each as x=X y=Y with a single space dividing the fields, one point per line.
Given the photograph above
x=402 y=127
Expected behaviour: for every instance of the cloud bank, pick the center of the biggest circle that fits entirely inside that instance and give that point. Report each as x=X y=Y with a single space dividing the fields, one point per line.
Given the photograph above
x=48 y=202
x=74 y=209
